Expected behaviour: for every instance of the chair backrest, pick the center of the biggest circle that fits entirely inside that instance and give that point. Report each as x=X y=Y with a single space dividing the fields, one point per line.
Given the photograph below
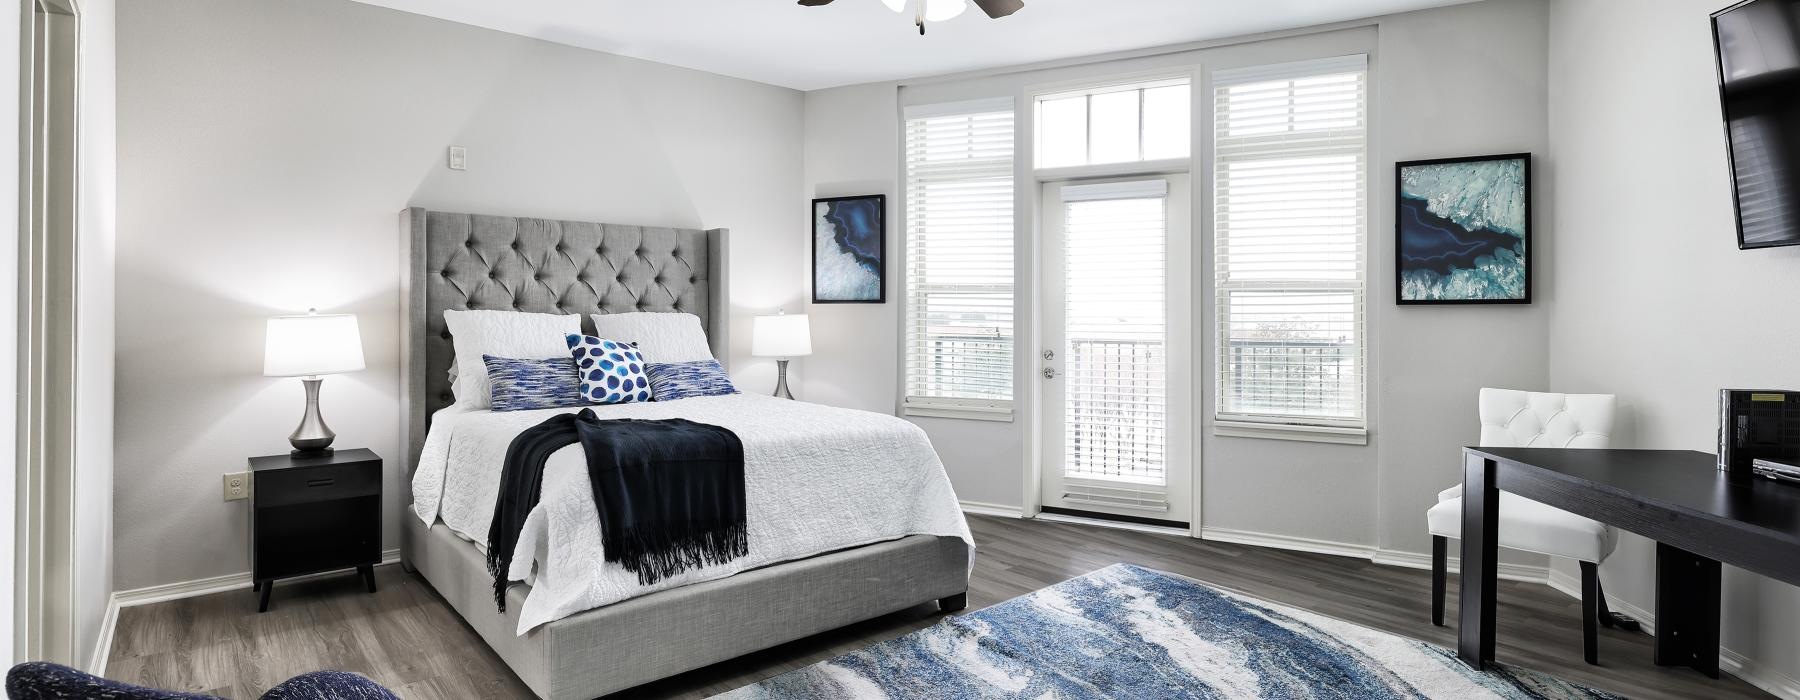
x=1536 y=419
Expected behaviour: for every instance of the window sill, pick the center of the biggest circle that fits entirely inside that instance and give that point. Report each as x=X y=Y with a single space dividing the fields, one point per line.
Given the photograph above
x=1299 y=433
x=998 y=414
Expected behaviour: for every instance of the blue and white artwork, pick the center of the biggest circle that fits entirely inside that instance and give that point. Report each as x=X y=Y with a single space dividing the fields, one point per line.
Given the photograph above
x=849 y=241
x=1463 y=230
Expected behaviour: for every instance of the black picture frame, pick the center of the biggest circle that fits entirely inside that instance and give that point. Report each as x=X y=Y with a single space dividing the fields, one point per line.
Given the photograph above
x=1400 y=252
x=880 y=205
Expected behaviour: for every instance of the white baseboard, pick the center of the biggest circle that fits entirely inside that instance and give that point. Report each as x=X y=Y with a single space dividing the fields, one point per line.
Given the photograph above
x=103 y=644
x=1513 y=572
x=1453 y=565
x=1114 y=524
x=1298 y=544
x=214 y=584
x=994 y=509
x=176 y=591
x=1746 y=669
x=1750 y=671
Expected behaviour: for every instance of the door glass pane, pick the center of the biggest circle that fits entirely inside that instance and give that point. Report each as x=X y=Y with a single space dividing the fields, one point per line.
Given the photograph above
x=1113 y=127
x=1166 y=130
x=1062 y=132
x=1115 y=306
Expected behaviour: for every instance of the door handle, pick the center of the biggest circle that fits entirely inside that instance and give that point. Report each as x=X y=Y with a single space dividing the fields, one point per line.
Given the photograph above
x=1050 y=373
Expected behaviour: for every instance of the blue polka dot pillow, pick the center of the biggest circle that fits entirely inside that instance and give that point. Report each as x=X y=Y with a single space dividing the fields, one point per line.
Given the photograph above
x=610 y=371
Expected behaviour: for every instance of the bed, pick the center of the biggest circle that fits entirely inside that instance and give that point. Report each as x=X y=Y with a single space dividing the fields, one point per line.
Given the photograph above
x=569 y=649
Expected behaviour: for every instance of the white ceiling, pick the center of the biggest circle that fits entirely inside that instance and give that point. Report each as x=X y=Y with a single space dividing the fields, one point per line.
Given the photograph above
x=859 y=41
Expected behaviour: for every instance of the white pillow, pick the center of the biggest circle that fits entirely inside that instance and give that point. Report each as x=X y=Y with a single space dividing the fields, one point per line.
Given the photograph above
x=660 y=336
x=509 y=334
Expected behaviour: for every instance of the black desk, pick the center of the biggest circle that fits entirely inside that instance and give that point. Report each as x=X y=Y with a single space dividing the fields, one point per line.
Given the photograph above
x=1697 y=516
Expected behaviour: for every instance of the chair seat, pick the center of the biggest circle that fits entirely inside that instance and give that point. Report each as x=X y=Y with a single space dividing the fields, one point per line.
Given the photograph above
x=1531 y=526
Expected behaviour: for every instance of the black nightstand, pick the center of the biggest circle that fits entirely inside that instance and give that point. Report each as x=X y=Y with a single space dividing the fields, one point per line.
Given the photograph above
x=316 y=513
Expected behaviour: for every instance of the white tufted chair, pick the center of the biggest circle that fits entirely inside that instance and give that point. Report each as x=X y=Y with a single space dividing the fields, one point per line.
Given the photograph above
x=1531 y=419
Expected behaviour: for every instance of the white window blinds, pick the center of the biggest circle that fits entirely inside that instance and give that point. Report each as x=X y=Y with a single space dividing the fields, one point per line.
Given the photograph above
x=959 y=259
x=1290 y=221
x=1115 y=266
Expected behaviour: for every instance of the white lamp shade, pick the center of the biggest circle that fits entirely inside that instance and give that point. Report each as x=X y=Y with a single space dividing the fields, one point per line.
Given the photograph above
x=303 y=346
x=895 y=5
x=786 y=335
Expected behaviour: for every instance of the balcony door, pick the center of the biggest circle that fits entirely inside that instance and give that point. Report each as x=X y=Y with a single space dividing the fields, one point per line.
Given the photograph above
x=1117 y=355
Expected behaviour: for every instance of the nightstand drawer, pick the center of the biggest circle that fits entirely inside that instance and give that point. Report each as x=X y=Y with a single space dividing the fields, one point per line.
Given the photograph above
x=313 y=484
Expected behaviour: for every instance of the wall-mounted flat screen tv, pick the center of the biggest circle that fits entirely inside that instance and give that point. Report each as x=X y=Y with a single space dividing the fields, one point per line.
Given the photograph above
x=1758 y=45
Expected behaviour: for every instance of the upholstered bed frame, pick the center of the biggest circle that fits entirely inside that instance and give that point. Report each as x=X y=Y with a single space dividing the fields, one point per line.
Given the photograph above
x=464 y=261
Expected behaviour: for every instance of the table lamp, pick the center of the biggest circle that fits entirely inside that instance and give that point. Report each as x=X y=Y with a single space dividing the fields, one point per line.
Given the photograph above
x=783 y=337
x=307 y=347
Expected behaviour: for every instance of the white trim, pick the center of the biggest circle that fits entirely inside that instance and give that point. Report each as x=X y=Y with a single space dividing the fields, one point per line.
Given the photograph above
x=1745 y=668
x=1124 y=189
x=1135 y=168
x=950 y=109
x=1288 y=431
x=1293 y=69
x=1758 y=674
x=995 y=414
x=993 y=509
x=1453 y=565
x=1288 y=542
x=103 y=643
x=216 y=584
x=1114 y=524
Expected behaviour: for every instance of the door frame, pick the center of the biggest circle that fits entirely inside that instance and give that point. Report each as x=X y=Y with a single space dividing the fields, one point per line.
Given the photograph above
x=49 y=219
x=1029 y=261
x=1182 y=354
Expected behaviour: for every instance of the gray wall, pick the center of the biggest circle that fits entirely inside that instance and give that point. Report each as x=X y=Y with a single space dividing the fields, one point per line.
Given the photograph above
x=1653 y=299
x=265 y=148
x=1455 y=81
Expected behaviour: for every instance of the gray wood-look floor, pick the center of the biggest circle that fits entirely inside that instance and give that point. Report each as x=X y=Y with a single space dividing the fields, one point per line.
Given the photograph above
x=409 y=639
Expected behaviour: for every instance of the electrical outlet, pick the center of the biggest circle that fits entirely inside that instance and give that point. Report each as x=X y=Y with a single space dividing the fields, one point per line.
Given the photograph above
x=237 y=486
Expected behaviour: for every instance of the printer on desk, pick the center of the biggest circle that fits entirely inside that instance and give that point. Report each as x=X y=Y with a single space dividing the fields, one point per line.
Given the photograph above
x=1758 y=427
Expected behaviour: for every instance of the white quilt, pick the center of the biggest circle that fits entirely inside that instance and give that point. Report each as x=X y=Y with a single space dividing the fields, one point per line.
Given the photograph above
x=816 y=479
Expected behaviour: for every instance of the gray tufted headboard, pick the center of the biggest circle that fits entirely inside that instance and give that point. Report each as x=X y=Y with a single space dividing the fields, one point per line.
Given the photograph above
x=470 y=261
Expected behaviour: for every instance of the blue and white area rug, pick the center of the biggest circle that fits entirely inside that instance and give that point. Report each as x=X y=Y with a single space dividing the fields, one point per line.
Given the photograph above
x=1128 y=632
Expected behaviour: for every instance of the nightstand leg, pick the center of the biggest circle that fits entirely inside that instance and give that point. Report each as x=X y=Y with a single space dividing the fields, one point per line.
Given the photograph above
x=368 y=574
x=262 y=602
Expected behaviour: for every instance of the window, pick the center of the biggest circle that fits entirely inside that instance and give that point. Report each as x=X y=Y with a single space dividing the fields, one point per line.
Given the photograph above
x=1119 y=124
x=1290 y=219
x=959 y=260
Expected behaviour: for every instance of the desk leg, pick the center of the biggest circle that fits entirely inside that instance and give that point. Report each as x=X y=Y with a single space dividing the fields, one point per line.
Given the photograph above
x=1480 y=527
x=1687 y=610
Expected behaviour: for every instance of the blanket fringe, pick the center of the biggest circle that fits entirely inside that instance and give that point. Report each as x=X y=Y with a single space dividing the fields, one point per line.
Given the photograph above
x=656 y=556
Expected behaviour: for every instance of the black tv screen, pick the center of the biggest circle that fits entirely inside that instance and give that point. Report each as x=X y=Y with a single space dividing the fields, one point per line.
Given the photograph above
x=1758 y=44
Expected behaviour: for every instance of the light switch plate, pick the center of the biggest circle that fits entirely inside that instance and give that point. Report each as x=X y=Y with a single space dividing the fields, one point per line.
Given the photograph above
x=459 y=158
x=237 y=486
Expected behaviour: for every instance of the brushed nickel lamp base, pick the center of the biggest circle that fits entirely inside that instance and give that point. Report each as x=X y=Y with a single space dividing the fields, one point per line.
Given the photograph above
x=313 y=437
x=781 y=385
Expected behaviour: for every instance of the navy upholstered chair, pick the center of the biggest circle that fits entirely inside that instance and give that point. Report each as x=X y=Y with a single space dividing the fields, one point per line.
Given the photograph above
x=46 y=681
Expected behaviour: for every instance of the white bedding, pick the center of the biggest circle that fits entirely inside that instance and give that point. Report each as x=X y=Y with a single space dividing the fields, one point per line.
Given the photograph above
x=816 y=479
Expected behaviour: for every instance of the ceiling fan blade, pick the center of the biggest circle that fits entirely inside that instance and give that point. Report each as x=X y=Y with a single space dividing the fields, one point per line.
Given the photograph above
x=996 y=8
x=815 y=3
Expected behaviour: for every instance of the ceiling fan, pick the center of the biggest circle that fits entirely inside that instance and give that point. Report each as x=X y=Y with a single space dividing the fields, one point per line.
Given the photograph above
x=940 y=10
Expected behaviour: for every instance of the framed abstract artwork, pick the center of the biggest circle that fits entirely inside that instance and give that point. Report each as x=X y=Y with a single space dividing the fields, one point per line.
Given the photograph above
x=850 y=250
x=1462 y=230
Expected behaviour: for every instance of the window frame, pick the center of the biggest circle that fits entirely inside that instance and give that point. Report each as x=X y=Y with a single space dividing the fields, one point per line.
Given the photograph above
x=1000 y=410
x=1269 y=425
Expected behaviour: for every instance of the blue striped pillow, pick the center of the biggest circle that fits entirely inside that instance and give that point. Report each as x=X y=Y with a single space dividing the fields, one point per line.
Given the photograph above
x=524 y=385
x=685 y=380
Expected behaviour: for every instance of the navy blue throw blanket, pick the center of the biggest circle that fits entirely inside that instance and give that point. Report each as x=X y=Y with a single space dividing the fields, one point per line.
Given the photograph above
x=670 y=493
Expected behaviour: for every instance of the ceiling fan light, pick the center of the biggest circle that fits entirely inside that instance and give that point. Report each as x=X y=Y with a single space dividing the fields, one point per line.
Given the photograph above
x=895 y=5
x=941 y=10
